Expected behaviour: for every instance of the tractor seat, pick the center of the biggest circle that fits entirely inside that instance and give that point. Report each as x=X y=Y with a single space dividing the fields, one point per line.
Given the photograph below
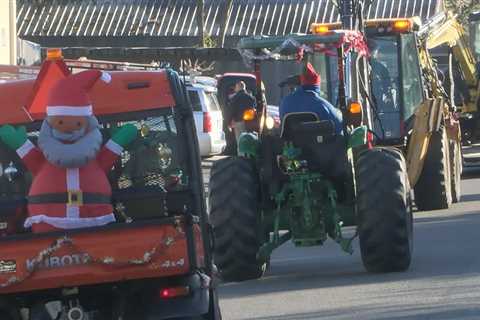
x=324 y=150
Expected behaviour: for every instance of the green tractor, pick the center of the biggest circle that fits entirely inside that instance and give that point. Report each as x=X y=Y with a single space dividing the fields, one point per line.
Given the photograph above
x=304 y=183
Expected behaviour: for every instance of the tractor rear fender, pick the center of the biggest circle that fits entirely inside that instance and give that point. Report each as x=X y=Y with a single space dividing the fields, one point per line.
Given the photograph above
x=248 y=145
x=359 y=137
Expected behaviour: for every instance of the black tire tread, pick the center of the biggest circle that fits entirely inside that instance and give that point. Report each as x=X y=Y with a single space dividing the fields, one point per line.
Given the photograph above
x=384 y=210
x=234 y=216
x=432 y=190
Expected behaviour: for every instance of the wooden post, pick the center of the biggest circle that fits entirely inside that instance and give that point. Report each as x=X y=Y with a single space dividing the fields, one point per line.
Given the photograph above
x=225 y=22
x=201 y=22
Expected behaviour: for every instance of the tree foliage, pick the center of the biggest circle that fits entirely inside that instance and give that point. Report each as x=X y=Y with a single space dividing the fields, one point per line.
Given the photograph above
x=463 y=8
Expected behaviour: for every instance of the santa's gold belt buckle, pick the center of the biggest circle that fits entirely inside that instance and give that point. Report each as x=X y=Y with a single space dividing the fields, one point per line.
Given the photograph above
x=75 y=198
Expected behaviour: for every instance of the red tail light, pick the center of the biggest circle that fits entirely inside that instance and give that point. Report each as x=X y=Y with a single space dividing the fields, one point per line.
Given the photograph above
x=207 y=122
x=168 y=293
x=370 y=140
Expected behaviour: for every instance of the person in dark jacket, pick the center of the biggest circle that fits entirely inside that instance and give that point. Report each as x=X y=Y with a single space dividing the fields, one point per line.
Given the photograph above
x=307 y=98
x=241 y=101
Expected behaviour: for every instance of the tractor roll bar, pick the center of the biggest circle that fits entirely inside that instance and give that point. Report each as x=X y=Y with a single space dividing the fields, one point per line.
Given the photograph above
x=276 y=41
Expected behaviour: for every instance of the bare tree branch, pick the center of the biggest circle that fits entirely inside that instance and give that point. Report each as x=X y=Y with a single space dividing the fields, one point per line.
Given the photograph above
x=463 y=8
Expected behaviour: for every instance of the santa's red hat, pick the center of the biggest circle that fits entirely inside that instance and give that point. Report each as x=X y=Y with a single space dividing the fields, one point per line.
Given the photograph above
x=310 y=76
x=69 y=96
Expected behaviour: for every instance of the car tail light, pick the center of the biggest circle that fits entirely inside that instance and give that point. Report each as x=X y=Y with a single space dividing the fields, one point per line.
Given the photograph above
x=174 y=292
x=207 y=122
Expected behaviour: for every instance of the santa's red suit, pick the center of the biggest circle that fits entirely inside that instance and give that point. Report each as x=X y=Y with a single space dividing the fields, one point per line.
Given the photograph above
x=77 y=186
x=64 y=197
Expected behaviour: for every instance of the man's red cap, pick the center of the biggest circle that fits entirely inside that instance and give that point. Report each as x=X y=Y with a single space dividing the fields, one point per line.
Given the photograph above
x=310 y=76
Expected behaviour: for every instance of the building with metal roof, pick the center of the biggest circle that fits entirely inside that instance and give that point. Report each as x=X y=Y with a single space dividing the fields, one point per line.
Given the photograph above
x=160 y=23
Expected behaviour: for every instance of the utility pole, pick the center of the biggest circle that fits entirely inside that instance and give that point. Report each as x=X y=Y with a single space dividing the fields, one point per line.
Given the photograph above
x=347 y=14
x=201 y=22
x=226 y=20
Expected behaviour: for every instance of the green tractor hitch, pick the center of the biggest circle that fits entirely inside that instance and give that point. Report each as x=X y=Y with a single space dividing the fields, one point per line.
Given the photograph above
x=266 y=249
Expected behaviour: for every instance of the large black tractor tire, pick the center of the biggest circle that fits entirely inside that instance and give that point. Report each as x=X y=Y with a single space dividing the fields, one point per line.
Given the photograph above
x=234 y=215
x=9 y=310
x=456 y=168
x=6 y=314
x=433 y=188
x=384 y=207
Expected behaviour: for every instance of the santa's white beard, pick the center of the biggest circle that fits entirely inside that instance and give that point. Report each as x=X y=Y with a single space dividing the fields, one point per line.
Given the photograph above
x=74 y=154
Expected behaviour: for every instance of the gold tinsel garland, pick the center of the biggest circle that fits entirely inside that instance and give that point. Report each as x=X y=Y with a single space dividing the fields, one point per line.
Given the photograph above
x=110 y=261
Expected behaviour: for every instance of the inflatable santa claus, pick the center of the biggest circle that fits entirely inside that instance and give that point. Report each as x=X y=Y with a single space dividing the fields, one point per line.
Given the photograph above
x=70 y=188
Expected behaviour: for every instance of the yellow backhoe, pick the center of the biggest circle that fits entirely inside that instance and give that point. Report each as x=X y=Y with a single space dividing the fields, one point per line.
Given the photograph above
x=447 y=41
x=413 y=108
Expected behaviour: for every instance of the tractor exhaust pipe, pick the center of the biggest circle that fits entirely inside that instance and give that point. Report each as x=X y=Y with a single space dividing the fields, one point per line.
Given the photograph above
x=347 y=14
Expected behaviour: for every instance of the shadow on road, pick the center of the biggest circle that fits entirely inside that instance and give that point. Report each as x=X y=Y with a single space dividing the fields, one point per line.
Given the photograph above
x=465 y=217
x=471 y=173
x=470 y=197
x=327 y=267
x=324 y=279
x=380 y=312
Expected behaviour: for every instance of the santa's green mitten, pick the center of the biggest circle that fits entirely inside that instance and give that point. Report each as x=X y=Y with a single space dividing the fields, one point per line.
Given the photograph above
x=125 y=135
x=14 y=138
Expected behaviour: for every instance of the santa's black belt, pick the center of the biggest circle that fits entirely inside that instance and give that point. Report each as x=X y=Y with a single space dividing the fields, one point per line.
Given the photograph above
x=74 y=198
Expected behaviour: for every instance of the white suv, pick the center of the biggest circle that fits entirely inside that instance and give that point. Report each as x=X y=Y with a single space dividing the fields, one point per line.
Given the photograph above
x=208 y=117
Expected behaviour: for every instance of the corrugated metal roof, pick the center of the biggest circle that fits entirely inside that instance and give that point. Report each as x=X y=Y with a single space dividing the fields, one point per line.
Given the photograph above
x=164 y=18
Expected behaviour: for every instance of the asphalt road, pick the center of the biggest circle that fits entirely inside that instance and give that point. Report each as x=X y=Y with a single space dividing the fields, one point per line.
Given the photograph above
x=324 y=283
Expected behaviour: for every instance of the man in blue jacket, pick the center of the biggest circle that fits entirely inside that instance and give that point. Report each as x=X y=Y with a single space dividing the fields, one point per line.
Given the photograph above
x=307 y=99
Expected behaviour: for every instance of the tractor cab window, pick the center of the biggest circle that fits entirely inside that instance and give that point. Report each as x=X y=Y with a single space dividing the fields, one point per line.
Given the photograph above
x=326 y=66
x=412 y=89
x=385 y=74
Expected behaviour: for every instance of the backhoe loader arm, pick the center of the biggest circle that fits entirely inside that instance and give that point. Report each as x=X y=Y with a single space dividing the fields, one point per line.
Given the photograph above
x=444 y=29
